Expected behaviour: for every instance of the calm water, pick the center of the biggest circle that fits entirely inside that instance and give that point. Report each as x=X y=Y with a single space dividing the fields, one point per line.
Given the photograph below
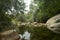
x=26 y=35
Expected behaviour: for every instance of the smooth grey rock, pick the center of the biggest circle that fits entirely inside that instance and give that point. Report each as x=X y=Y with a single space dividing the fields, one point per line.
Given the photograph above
x=54 y=19
x=54 y=27
x=53 y=24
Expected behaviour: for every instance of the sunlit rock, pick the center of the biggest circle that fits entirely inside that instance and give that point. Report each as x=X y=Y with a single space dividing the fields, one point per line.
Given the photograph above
x=9 y=35
x=53 y=24
x=23 y=23
x=54 y=19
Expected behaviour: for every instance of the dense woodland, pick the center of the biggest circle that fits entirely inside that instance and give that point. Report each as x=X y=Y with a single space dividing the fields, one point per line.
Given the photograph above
x=12 y=13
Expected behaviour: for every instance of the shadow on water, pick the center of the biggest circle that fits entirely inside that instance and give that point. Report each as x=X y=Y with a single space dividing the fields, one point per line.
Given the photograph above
x=25 y=36
x=39 y=33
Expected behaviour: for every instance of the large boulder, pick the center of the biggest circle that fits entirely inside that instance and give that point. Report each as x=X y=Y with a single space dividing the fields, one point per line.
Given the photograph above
x=53 y=24
x=54 y=19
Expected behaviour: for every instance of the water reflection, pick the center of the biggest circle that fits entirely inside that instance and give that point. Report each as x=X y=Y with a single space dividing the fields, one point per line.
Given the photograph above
x=25 y=36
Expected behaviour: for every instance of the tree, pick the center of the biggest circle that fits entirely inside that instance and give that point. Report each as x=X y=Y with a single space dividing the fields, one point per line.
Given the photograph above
x=5 y=8
x=47 y=9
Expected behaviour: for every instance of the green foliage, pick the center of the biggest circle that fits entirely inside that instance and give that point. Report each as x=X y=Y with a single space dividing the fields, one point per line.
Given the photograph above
x=19 y=6
x=5 y=22
x=5 y=5
x=21 y=17
x=30 y=17
x=42 y=17
x=47 y=9
x=5 y=19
